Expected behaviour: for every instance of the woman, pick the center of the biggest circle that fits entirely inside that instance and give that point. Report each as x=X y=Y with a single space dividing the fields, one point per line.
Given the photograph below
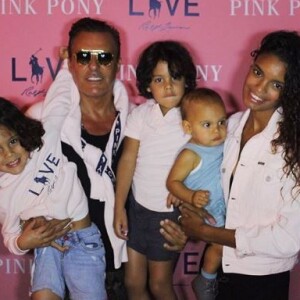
x=261 y=178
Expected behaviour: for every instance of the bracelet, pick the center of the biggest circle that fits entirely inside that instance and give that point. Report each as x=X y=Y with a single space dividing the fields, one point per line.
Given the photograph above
x=22 y=223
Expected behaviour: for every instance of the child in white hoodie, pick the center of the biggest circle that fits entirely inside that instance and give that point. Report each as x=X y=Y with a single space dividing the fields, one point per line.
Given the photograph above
x=36 y=180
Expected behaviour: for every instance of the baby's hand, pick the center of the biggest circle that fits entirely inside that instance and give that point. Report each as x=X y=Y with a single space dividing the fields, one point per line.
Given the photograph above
x=200 y=198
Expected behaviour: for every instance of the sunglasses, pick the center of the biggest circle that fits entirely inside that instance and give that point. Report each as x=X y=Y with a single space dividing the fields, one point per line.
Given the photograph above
x=84 y=57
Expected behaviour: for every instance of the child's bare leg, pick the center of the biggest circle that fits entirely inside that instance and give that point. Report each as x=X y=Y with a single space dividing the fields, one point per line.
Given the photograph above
x=136 y=276
x=212 y=258
x=161 y=280
x=205 y=284
x=44 y=294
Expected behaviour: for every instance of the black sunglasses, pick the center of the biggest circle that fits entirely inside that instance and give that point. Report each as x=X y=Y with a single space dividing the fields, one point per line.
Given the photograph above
x=84 y=57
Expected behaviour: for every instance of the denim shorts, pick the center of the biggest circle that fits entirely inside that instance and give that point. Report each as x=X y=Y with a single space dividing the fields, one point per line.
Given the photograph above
x=81 y=267
x=144 y=235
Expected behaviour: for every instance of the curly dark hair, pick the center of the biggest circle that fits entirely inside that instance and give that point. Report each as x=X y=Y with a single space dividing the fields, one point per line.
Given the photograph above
x=30 y=131
x=178 y=58
x=93 y=25
x=286 y=46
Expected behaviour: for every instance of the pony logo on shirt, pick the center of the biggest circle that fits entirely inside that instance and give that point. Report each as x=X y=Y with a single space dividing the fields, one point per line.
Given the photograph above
x=44 y=180
x=45 y=175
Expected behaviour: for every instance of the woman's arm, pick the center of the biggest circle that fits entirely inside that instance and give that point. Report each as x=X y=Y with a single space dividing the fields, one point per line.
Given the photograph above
x=125 y=171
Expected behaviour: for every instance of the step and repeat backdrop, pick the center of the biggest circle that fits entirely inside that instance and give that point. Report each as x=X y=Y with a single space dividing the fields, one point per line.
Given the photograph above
x=219 y=33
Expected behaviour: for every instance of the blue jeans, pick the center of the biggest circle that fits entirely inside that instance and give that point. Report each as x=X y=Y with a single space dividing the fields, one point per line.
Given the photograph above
x=81 y=267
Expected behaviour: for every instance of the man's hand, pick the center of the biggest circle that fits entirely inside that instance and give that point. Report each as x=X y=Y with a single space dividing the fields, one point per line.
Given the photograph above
x=38 y=232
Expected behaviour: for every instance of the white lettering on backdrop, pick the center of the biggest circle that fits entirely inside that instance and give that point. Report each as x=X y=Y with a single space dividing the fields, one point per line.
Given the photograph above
x=254 y=7
x=67 y=7
x=16 y=265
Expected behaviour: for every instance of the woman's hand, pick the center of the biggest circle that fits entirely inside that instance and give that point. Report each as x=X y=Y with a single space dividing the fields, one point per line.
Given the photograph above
x=193 y=221
x=194 y=226
x=175 y=237
x=38 y=232
x=201 y=212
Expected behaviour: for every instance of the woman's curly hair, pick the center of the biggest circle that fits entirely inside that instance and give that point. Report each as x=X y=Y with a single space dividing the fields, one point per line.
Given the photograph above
x=30 y=131
x=286 y=46
x=178 y=58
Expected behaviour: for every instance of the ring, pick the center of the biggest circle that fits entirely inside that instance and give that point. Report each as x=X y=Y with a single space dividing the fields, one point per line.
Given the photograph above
x=179 y=218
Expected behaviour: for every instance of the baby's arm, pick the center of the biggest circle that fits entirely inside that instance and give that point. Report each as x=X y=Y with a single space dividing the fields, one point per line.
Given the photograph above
x=185 y=162
x=125 y=171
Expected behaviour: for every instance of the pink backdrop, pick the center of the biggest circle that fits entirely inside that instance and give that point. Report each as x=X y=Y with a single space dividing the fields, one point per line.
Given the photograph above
x=219 y=33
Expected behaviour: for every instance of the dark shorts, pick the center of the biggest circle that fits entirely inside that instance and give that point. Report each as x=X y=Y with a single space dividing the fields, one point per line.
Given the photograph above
x=144 y=235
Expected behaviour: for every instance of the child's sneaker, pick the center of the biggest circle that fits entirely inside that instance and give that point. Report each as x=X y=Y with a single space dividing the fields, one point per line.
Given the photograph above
x=205 y=289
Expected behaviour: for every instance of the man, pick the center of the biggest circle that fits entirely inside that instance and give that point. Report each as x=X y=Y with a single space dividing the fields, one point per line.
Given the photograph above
x=93 y=132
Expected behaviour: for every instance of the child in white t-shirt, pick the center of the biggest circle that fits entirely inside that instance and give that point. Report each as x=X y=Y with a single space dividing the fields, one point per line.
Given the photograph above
x=153 y=137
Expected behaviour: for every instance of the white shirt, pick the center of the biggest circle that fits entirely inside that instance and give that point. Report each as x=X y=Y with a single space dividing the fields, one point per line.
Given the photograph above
x=260 y=205
x=160 y=139
x=48 y=186
x=101 y=185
